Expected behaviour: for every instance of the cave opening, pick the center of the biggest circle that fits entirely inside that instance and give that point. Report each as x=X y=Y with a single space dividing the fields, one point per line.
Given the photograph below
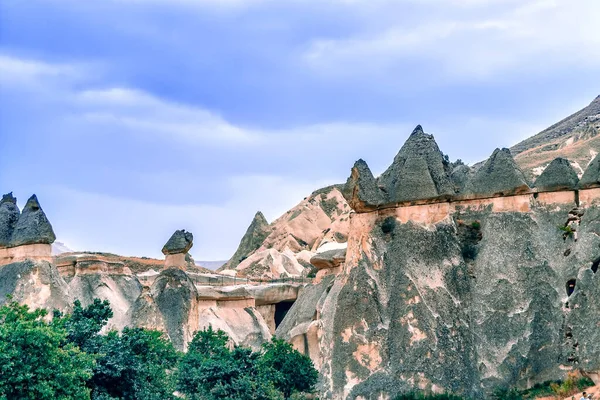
x=570 y=286
x=595 y=265
x=281 y=310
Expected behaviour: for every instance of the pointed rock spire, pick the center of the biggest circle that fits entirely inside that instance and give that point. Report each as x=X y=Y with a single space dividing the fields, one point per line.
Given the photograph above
x=179 y=243
x=33 y=226
x=500 y=175
x=558 y=175
x=591 y=176
x=420 y=171
x=254 y=237
x=361 y=191
x=9 y=215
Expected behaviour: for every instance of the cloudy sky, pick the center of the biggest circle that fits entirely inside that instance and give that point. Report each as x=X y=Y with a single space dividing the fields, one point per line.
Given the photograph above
x=133 y=118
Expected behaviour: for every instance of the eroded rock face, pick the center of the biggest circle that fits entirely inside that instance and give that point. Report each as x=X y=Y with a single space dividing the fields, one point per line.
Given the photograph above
x=591 y=176
x=414 y=310
x=419 y=171
x=329 y=259
x=361 y=190
x=179 y=243
x=9 y=215
x=253 y=238
x=499 y=176
x=558 y=175
x=32 y=227
x=176 y=297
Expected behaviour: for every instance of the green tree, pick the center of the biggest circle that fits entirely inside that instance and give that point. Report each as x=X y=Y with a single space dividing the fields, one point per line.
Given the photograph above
x=36 y=359
x=291 y=372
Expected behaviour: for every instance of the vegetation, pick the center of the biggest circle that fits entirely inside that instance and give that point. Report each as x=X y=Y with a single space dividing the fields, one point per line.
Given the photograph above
x=423 y=396
x=567 y=231
x=574 y=383
x=67 y=357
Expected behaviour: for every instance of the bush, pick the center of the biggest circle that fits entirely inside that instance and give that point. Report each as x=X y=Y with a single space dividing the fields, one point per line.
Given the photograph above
x=427 y=396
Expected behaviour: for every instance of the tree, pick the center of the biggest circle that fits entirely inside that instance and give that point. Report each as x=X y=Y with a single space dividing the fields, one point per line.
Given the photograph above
x=292 y=372
x=36 y=359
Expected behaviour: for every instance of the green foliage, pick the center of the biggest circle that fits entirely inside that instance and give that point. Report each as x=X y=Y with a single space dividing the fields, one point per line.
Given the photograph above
x=425 y=396
x=210 y=370
x=567 y=230
x=36 y=359
x=572 y=384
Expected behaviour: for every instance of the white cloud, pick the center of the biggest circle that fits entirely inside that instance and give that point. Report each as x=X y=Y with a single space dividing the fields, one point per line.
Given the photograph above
x=526 y=36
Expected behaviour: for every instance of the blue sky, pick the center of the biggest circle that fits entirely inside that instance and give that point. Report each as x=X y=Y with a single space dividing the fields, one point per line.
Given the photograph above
x=133 y=118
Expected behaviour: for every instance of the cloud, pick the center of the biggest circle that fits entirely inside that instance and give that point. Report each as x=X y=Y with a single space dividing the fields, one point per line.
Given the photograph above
x=539 y=35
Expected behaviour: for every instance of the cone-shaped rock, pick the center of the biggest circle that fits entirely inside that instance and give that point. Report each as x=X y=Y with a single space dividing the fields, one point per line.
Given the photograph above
x=361 y=191
x=9 y=215
x=419 y=172
x=33 y=226
x=460 y=176
x=558 y=175
x=254 y=237
x=591 y=176
x=180 y=242
x=499 y=176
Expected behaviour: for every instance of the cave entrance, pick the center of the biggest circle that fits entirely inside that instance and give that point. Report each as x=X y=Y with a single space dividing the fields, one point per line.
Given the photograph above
x=595 y=265
x=281 y=310
x=570 y=286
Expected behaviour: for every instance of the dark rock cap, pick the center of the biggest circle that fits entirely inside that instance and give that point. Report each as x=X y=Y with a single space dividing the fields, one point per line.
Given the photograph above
x=558 y=175
x=591 y=176
x=180 y=242
x=32 y=227
x=254 y=237
x=420 y=171
x=500 y=175
x=329 y=259
x=361 y=191
x=9 y=215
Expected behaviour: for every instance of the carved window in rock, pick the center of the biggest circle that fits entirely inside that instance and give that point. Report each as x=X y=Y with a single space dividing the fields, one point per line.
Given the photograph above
x=570 y=287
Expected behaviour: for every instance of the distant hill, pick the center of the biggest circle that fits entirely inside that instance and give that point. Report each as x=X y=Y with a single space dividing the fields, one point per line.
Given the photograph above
x=575 y=138
x=212 y=265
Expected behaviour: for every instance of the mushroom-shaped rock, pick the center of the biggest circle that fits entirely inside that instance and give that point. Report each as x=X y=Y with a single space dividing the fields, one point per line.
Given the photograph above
x=558 y=175
x=499 y=176
x=420 y=171
x=361 y=191
x=179 y=243
x=254 y=237
x=32 y=227
x=591 y=176
x=329 y=259
x=9 y=215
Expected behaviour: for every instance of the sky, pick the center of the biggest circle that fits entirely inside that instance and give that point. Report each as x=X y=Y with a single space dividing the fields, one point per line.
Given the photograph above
x=133 y=118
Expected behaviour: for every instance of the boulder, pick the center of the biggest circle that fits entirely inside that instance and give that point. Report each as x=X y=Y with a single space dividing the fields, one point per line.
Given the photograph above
x=558 y=175
x=329 y=259
x=420 y=171
x=460 y=176
x=179 y=243
x=9 y=215
x=591 y=176
x=32 y=227
x=254 y=237
x=499 y=176
x=361 y=189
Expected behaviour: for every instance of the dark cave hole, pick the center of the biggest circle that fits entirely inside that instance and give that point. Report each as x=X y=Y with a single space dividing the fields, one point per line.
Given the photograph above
x=570 y=286
x=388 y=225
x=281 y=309
x=595 y=265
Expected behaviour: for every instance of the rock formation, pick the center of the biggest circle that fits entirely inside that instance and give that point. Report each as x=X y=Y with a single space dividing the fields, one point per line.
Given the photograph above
x=9 y=215
x=558 y=175
x=499 y=176
x=591 y=177
x=176 y=250
x=419 y=171
x=32 y=227
x=253 y=238
x=361 y=188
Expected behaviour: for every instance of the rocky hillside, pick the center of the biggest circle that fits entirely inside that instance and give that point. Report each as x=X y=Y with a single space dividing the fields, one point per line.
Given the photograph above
x=284 y=248
x=575 y=137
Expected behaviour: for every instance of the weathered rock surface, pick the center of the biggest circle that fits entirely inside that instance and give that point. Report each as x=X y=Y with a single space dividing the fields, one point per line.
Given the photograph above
x=253 y=238
x=499 y=176
x=329 y=259
x=179 y=243
x=591 y=176
x=419 y=171
x=32 y=227
x=361 y=190
x=9 y=215
x=558 y=175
